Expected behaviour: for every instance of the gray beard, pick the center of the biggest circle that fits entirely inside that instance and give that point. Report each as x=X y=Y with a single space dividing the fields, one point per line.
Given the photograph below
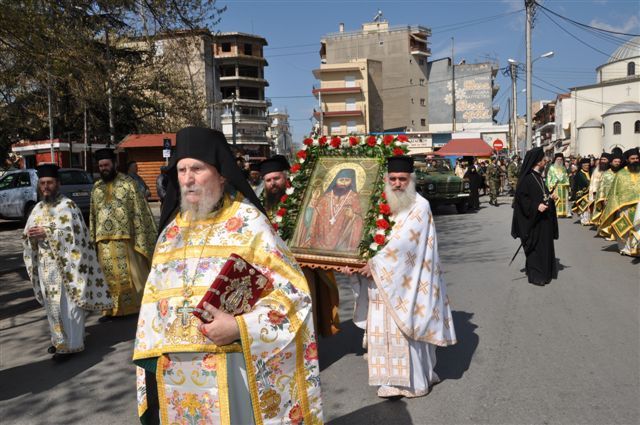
x=400 y=200
x=202 y=208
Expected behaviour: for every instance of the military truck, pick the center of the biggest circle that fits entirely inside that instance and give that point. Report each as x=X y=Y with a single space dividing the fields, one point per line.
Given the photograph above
x=436 y=181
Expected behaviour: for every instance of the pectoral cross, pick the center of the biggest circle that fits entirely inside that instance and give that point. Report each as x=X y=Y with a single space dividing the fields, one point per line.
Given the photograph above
x=332 y=220
x=184 y=313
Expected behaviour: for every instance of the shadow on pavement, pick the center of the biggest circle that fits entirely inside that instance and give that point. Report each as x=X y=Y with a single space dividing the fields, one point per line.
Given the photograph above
x=452 y=362
x=35 y=378
x=347 y=341
x=611 y=248
x=385 y=412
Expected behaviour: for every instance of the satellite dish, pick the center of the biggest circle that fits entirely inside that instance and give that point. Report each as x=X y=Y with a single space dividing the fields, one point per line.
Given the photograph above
x=378 y=16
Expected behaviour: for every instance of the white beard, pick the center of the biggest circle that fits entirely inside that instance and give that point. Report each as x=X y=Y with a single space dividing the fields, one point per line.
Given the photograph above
x=209 y=198
x=401 y=200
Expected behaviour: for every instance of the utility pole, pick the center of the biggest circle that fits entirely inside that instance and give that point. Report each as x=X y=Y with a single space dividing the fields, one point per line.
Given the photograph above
x=50 y=117
x=112 y=135
x=510 y=138
x=453 y=88
x=529 y=5
x=513 y=67
x=321 y=111
x=233 y=119
x=85 y=137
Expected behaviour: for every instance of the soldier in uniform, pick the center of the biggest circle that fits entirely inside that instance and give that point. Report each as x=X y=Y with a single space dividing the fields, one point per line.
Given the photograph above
x=493 y=179
x=513 y=171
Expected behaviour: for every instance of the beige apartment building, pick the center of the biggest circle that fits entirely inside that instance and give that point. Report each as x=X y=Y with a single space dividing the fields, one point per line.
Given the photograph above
x=349 y=97
x=185 y=58
x=241 y=62
x=402 y=52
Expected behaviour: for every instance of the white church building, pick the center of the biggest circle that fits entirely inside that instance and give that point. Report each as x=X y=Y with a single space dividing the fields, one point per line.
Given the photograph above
x=607 y=114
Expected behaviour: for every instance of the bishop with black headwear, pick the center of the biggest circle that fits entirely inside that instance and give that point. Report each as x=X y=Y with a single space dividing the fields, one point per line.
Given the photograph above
x=534 y=219
x=232 y=364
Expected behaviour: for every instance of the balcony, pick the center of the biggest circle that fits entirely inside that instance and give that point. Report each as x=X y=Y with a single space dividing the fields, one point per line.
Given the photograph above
x=337 y=90
x=418 y=45
x=330 y=114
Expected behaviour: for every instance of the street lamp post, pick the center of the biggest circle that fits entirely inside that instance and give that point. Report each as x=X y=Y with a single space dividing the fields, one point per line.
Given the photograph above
x=514 y=66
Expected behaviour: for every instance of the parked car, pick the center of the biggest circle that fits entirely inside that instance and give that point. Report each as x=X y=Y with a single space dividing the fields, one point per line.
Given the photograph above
x=436 y=181
x=19 y=191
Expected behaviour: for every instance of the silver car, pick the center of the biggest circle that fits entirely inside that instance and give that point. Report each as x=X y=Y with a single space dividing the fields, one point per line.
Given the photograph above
x=19 y=191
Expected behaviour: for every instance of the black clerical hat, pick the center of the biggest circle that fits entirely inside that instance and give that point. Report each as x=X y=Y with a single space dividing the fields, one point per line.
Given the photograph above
x=47 y=170
x=400 y=164
x=558 y=155
x=606 y=155
x=585 y=160
x=628 y=153
x=273 y=164
x=105 y=153
x=209 y=146
x=468 y=160
x=254 y=166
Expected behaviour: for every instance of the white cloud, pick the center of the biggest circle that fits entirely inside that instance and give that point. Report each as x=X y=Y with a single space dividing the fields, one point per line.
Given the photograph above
x=460 y=48
x=631 y=24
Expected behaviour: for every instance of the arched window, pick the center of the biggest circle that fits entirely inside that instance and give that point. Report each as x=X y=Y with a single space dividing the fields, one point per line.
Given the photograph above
x=631 y=69
x=617 y=128
x=636 y=127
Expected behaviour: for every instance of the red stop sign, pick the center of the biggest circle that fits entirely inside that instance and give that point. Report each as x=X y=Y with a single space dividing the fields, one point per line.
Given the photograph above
x=498 y=145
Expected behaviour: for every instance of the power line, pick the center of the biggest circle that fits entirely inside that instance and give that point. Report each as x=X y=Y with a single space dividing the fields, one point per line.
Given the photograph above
x=573 y=36
x=584 y=25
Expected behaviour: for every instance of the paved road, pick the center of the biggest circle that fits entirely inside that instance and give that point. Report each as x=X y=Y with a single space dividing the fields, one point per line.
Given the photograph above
x=565 y=353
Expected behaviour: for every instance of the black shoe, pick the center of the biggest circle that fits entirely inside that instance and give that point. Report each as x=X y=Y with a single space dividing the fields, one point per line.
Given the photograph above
x=105 y=319
x=61 y=357
x=51 y=350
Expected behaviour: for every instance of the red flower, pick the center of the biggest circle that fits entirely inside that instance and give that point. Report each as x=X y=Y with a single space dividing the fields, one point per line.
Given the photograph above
x=311 y=352
x=353 y=141
x=275 y=226
x=295 y=168
x=379 y=239
x=387 y=140
x=288 y=183
x=383 y=195
x=403 y=139
x=302 y=154
x=284 y=198
x=322 y=140
x=335 y=142
x=308 y=141
x=276 y=317
x=398 y=152
x=371 y=141
x=281 y=212
x=385 y=208
x=382 y=224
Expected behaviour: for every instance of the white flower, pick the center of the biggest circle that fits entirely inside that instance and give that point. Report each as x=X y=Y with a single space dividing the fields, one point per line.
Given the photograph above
x=301 y=160
x=278 y=219
x=315 y=142
x=304 y=147
x=289 y=191
x=380 y=217
x=374 y=246
x=379 y=141
x=397 y=143
x=380 y=232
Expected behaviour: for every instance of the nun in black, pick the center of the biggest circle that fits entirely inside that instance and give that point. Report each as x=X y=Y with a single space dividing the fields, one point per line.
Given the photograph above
x=534 y=220
x=475 y=182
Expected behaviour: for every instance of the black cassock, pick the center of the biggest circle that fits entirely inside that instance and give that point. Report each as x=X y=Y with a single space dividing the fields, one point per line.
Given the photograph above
x=536 y=230
x=475 y=183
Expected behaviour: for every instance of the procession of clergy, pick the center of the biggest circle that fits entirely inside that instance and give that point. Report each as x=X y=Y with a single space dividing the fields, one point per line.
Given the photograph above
x=257 y=367
x=606 y=197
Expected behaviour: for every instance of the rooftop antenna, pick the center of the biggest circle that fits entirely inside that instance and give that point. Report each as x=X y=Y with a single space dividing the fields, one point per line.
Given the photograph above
x=378 y=16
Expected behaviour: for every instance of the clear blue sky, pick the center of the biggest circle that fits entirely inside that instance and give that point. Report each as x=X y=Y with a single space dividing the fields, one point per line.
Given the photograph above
x=483 y=29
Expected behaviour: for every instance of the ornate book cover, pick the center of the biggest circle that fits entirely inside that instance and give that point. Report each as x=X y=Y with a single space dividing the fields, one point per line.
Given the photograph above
x=235 y=290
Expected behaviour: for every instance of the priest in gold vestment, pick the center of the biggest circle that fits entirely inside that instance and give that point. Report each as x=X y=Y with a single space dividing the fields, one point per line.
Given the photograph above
x=124 y=231
x=408 y=308
x=620 y=217
x=259 y=367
